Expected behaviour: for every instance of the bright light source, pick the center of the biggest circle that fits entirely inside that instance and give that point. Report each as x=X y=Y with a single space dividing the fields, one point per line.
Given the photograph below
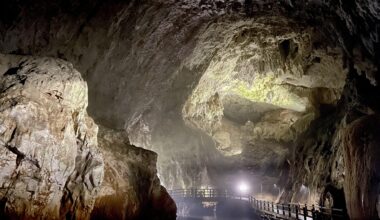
x=243 y=187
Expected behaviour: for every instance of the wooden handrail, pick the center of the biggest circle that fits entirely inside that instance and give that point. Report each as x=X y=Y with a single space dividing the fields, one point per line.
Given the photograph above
x=288 y=211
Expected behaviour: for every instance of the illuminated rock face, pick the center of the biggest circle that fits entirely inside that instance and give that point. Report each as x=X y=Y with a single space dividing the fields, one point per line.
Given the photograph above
x=264 y=75
x=131 y=188
x=334 y=162
x=361 y=162
x=211 y=84
x=152 y=64
x=51 y=167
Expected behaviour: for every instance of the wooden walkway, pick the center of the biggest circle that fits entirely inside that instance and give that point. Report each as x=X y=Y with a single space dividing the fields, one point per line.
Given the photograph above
x=266 y=209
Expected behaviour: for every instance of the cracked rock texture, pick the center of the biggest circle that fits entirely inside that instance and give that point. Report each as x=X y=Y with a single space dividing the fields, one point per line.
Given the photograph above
x=361 y=158
x=131 y=188
x=335 y=161
x=156 y=67
x=50 y=165
x=219 y=87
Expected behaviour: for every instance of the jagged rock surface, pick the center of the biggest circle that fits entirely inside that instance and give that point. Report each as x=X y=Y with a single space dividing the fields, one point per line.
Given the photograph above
x=132 y=56
x=151 y=64
x=131 y=188
x=334 y=162
x=50 y=165
x=361 y=158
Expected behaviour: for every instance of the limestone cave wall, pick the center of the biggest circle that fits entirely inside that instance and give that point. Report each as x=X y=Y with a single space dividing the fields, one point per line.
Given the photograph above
x=280 y=90
x=51 y=164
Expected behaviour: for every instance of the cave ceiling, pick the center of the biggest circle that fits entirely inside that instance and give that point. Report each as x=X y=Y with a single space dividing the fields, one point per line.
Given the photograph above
x=205 y=84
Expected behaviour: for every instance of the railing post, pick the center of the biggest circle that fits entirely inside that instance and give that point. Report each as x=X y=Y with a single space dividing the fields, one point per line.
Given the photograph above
x=283 y=209
x=297 y=212
x=313 y=212
x=305 y=212
x=278 y=211
x=272 y=207
x=289 y=210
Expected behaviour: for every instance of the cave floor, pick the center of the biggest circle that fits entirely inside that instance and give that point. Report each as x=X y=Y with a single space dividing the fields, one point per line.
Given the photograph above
x=214 y=218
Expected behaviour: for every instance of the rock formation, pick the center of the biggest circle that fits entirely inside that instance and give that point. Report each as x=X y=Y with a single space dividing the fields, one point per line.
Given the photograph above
x=361 y=158
x=131 y=188
x=51 y=166
x=277 y=90
x=228 y=78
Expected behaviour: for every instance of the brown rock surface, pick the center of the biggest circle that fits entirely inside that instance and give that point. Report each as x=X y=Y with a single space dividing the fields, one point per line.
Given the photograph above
x=255 y=82
x=50 y=165
x=131 y=188
x=362 y=162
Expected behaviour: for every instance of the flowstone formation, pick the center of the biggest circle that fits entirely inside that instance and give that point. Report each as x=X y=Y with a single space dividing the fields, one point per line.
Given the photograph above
x=51 y=165
x=361 y=158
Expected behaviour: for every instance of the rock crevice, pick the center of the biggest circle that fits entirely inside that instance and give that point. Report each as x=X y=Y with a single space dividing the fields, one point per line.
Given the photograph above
x=51 y=165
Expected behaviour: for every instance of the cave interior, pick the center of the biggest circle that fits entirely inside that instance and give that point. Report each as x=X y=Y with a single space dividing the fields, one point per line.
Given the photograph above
x=106 y=107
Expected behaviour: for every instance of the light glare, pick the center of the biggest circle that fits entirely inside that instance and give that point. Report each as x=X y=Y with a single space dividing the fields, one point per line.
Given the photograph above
x=243 y=187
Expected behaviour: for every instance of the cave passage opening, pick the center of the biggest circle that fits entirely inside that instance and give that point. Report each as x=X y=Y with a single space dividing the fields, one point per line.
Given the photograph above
x=148 y=95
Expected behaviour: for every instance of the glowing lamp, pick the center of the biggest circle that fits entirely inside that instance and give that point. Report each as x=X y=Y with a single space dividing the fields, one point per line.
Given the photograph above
x=243 y=187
